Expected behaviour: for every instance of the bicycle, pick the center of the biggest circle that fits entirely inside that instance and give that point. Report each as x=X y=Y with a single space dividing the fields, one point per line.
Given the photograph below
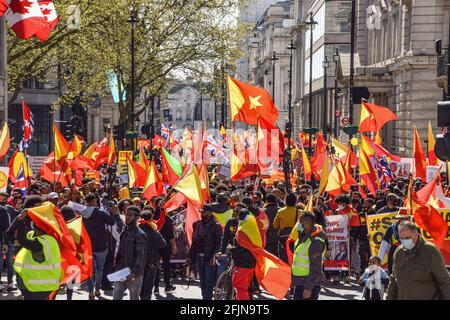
x=223 y=290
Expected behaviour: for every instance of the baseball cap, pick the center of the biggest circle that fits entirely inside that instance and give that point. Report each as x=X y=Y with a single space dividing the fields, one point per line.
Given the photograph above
x=52 y=195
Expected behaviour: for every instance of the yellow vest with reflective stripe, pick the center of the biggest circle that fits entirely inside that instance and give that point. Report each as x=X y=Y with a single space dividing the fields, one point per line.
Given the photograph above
x=300 y=263
x=40 y=277
x=224 y=217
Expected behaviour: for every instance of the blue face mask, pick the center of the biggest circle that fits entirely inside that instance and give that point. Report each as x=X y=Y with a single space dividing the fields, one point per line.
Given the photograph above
x=407 y=243
x=300 y=228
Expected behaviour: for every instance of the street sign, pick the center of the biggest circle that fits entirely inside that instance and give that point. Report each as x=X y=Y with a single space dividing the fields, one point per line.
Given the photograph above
x=345 y=121
x=123 y=157
x=338 y=113
x=35 y=162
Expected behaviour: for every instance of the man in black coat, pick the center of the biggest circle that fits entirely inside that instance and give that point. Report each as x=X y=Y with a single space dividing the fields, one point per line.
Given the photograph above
x=132 y=255
x=271 y=210
x=206 y=238
x=154 y=242
x=94 y=221
x=7 y=216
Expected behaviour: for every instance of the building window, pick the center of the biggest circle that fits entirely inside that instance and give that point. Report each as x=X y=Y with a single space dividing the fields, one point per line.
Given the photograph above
x=319 y=29
x=317 y=71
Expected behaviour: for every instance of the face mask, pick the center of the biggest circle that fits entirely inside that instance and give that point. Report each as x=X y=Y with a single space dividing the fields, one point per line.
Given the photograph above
x=341 y=207
x=300 y=228
x=373 y=267
x=407 y=243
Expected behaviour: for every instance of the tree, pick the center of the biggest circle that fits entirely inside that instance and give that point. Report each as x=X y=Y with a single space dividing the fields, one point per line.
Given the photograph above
x=173 y=38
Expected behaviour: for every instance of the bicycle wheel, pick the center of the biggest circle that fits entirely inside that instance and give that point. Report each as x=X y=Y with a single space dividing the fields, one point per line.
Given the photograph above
x=222 y=289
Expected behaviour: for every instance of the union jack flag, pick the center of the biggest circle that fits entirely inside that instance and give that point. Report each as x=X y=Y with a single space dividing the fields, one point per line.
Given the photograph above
x=215 y=147
x=384 y=173
x=21 y=182
x=165 y=131
x=28 y=125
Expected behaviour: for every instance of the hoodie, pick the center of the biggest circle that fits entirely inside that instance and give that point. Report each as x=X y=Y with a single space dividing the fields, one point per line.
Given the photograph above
x=94 y=221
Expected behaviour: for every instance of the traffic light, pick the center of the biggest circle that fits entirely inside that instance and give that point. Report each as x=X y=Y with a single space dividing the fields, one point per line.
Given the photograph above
x=116 y=132
x=442 y=146
x=119 y=132
x=288 y=129
x=68 y=131
x=146 y=130
x=77 y=124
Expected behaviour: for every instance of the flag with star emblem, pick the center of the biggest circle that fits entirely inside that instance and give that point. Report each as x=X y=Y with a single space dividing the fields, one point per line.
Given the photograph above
x=273 y=274
x=248 y=102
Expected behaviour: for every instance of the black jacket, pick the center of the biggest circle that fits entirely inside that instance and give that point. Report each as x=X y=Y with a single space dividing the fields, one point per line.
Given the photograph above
x=271 y=211
x=242 y=257
x=154 y=242
x=132 y=250
x=7 y=216
x=206 y=238
x=229 y=232
x=94 y=222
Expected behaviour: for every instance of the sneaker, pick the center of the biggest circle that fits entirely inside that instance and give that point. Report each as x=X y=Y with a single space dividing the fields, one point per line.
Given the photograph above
x=156 y=292
x=170 y=289
x=11 y=287
x=98 y=293
x=91 y=296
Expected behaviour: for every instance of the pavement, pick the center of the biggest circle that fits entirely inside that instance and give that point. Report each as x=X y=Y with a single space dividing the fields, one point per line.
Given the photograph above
x=191 y=290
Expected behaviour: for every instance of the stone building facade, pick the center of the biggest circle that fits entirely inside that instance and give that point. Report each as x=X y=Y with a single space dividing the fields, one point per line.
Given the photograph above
x=395 y=46
x=3 y=72
x=331 y=32
x=186 y=106
x=271 y=36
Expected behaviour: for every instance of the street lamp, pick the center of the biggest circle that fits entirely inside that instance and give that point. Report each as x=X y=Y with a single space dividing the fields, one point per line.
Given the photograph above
x=311 y=23
x=273 y=58
x=287 y=153
x=325 y=65
x=352 y=59
x=133 y=22
x=336 y=62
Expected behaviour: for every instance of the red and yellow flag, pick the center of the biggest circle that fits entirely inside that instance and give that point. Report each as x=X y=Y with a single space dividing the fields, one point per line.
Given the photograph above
x=84 y=247
x=190 y=186
x=432 y=160
x=17 y=160
x=111 y=150
x=306 y=165
x=273 y=274
x=154 y=186
x=374 y=117
x=61 y=144
x=420 y=160
x=204 y=182
x=248 y=102
x=4 y=141
x=367 y=172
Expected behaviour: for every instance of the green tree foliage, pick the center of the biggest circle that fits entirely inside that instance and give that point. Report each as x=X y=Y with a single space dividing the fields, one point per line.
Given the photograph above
x=174 y=38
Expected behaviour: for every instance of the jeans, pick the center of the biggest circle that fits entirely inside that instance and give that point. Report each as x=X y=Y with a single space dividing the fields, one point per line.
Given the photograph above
x=98 y=259
x=9 y=262
x=165 y=256
x=222 y=260
x=133 y=286
x=148 y=282
x=206 y=273
x=298 y=294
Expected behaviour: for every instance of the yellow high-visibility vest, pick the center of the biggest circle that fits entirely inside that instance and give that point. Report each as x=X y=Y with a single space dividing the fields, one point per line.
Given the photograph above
x=44 y=276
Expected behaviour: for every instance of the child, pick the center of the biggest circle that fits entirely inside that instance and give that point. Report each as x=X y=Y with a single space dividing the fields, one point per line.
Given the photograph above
x=374 y=280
